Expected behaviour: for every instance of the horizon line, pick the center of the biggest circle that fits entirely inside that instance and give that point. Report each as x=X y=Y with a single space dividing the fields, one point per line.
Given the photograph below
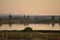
x=30 y=14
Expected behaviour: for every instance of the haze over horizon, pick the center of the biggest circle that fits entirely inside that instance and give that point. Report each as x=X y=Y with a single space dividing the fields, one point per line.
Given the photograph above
x=30 y=7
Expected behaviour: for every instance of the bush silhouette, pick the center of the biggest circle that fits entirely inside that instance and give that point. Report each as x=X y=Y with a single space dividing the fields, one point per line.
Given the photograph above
x=27 y=29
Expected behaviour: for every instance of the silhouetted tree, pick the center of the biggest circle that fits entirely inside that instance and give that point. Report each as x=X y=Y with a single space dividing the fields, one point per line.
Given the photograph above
x=0 y=19
x=10 y=17
x=24 y=16
x=10 y=22
x=59 y=21
x=53 y=20
x=25 y=20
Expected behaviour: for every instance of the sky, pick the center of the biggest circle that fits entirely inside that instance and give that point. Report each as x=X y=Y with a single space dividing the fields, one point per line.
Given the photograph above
x=30 y=7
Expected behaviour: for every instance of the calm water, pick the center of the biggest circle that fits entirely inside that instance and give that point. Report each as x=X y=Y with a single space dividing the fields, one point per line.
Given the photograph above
x=33 y=26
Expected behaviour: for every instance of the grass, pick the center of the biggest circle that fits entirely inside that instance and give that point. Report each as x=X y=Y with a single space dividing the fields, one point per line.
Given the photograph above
x=21 y=35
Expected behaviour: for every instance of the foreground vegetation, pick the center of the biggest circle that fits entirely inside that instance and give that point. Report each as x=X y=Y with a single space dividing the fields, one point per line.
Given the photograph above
x=29 y=35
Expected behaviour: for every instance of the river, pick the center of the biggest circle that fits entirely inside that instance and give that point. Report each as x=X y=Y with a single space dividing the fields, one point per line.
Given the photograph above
x=33 y=26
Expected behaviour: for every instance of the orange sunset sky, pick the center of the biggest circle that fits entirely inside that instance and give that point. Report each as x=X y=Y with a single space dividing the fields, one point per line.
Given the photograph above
x=30 y=7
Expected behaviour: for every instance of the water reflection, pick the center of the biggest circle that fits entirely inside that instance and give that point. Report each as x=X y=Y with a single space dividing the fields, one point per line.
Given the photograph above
x=33 y=26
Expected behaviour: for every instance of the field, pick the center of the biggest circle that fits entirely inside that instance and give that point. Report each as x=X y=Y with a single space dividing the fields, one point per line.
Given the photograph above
x=18 y=35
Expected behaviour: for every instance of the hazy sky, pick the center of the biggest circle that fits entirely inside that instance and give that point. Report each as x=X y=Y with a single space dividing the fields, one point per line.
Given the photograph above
x=32 y=7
